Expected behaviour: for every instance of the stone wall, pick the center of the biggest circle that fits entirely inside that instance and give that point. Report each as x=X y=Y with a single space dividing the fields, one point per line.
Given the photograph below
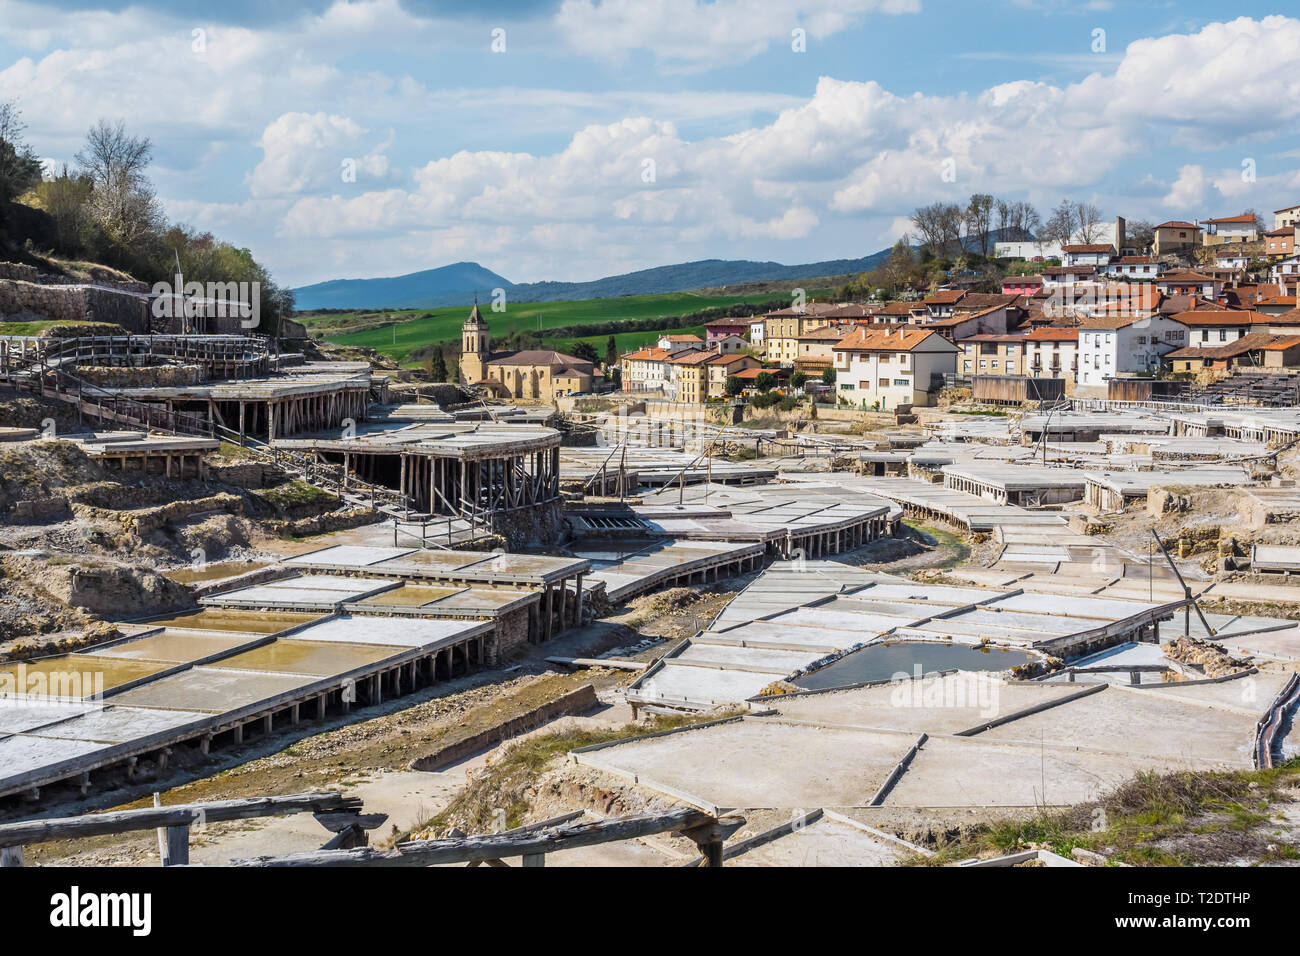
x=74 y=303
x=147 y=376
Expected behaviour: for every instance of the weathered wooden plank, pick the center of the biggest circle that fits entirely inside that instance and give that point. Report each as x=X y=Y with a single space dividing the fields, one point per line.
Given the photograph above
x=494 y=846
x=124 y=821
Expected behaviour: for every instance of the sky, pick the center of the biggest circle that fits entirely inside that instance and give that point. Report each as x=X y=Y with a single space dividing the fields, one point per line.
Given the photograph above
x=574 y=139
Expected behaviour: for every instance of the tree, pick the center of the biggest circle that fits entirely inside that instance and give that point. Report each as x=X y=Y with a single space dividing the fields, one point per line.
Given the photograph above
x=940 y=226
x=611 y=352
x=1139 y=234
x=585 y=351
x=828 y=376
x=1087 y=222
x=438 y=367
x=1060 y=224
x=765 y=381
x=20 y=170
x=123 y=204
x=798 y=379
x=733 y=386
x=979 y=218
x=894 y=273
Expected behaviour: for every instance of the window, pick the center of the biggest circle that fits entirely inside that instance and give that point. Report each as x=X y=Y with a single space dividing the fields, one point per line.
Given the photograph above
x=884 y=383
x=965 y=366
x=903 y=382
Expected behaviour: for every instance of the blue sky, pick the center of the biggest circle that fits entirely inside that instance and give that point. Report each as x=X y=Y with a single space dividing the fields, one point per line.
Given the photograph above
x=534 y=161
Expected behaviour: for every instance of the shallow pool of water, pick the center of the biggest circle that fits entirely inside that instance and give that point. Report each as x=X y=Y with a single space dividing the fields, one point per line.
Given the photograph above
x=886 y=661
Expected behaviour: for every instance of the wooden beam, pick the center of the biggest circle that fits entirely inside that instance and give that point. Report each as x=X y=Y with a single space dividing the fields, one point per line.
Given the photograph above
x=125 y=821
x=496 y=846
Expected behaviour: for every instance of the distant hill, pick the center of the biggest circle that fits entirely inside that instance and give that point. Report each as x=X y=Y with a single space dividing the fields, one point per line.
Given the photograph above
x=450 y=285
x=457 y=284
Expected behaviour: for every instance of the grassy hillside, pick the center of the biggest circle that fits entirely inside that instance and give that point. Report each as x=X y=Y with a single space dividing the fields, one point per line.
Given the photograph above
x=415 y=328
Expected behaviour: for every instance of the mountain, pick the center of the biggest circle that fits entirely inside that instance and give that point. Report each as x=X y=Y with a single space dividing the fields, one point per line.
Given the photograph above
x=457 y=284
x=449 y=285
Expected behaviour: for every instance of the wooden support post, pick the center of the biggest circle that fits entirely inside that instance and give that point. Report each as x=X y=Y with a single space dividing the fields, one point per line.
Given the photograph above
x=11 y=856
x=178 y=846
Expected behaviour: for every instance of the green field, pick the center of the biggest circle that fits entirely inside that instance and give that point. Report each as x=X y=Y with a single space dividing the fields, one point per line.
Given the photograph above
x=419 y=327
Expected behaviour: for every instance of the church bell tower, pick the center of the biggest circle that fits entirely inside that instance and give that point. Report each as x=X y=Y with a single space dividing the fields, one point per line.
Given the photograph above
x=475 y=348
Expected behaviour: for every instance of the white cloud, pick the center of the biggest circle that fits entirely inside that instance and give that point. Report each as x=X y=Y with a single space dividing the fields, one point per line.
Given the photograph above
x=307 y=152
x=696 y=35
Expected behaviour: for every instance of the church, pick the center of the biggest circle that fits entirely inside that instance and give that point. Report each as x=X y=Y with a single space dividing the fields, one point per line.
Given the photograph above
x=540 y=374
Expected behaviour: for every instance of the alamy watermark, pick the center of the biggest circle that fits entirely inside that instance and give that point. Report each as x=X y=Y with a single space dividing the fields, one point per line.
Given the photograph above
x=192 y=301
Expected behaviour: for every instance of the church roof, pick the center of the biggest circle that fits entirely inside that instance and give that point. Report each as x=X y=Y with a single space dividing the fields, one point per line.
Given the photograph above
x=475 y=318
x=547 y=357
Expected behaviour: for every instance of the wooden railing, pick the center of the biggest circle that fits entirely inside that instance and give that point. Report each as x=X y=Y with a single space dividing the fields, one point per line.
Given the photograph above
x=529 y=843
x=338 y=814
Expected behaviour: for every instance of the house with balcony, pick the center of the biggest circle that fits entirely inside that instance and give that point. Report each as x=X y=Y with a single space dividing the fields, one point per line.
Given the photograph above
x=1124 y=345
x=886 y=368
x=1052 y=353
x=1190 y=283
x=1230 y=229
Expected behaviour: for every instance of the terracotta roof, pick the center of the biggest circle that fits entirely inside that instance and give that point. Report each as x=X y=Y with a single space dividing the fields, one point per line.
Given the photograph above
x=1021 y=280
x=944 y=297
x=1135 y=261
x=1089 y=247
x=815 y=309
x=1244 y=217
x=900 y=308
x=990 y=337
x=1069 y=270
x=1101 y=323
x=756 y=372
x=1049 y=334
x=1216 y=317
x=985 y=300
x=727 y=358
x=537 y=357
x=1177 y=224
x=885 y=340
x=682 y=338
x=691 y=357
x=1284 y=231
x=648 y=354
x=1285 y=209
x=1186 y=276
x=1247 y=343
x=826 y=333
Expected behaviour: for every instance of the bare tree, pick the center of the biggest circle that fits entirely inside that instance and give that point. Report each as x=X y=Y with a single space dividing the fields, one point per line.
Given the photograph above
x=1139 y=233
x=1087 y=222
x=124 y=204
x=979 y=216
x=928 y=221
x=1060 y=224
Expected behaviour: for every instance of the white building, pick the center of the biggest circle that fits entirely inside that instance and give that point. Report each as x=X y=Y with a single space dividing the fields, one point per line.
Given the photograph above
x=1052 y=353
x=756 y=333
x=645 y=370
x=1087 y=254
x=1098 y=232
x=1110 y=347
x=1137 y=268
x=885 y=368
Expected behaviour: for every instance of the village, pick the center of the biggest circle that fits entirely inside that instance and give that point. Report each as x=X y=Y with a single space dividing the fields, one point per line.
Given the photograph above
x=1103 y=318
